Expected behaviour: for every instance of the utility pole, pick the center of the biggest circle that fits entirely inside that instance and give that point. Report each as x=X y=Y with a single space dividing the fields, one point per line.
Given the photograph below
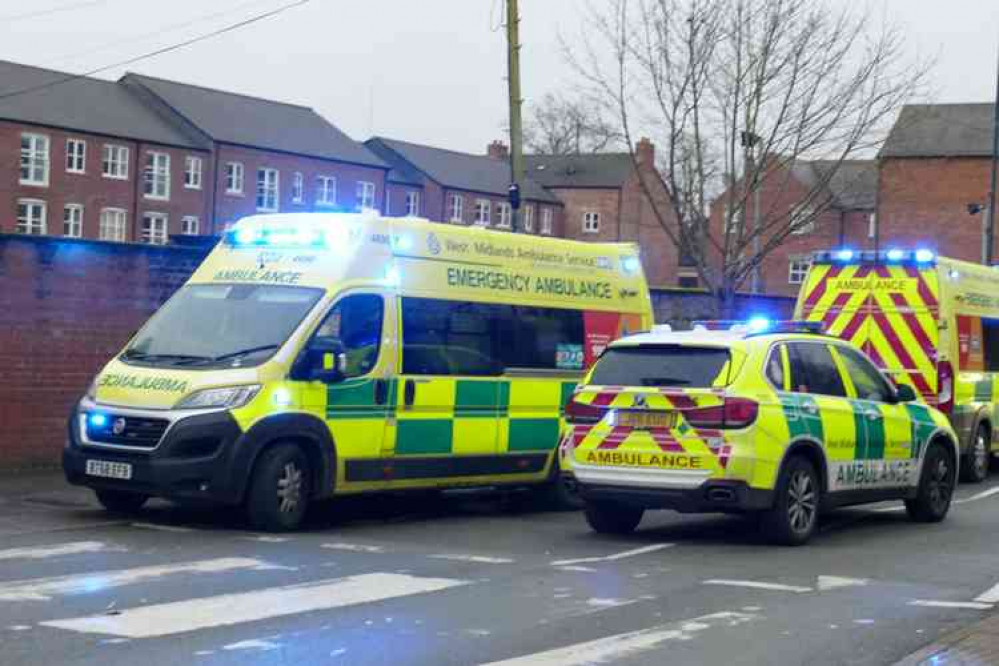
x=516 y=130
x=990 y=205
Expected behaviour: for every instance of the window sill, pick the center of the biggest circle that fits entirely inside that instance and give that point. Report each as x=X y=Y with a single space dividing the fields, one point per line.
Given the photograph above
x=33 y=183
x=75 y=172
x=192 y=187
x=154 y=198
x=110 y=177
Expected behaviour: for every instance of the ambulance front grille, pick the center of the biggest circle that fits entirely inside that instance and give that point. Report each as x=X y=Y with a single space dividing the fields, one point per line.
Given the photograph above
x=136 y=431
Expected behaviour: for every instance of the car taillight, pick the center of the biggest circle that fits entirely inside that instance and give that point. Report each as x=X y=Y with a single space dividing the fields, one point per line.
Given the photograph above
x=734 y=413
x=945 y=382
x=577 y=412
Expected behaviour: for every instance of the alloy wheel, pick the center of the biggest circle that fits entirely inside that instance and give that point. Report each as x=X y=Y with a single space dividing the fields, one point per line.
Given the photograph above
x=801 y=504
x=289 y=488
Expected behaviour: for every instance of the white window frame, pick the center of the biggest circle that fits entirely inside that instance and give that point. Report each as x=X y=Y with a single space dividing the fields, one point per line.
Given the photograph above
x=35 y=158
x=298 y=187
x=325 y=190
x=114 y=161
x=268 y=190
x=591 y=222
x=800 y=212
x=156 y=176
x=456 y=208
x=505 y=214
x=872 y=225
x=365 y=194
x=412 y=203
x=483 y=211
x=797 y=268
x=151 y=235
x=72 y=220
x=31 y=225
x=529 y=219
x=190 y=225
x=193 y=167
x=234 y=174
x=547 y=224
x=113 y=224
x=76 y=156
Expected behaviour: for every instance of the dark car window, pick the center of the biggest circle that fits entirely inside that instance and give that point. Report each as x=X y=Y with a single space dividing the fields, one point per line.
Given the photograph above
x=775 y=368
x=866 y=379
x=662 y=365
x=813 y=370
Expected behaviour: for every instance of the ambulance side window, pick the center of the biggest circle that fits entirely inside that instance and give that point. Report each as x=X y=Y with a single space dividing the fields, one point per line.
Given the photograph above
x=775 y=368
x=813 y=370
x=356 y=322
x=867 y=380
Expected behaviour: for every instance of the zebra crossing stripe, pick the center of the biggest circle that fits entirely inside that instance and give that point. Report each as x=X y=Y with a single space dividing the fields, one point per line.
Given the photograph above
x=57 y=550
x=43 y=589
x=230 y=609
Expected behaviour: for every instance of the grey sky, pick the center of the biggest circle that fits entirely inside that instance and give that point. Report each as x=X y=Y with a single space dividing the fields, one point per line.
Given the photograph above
x=423 y=70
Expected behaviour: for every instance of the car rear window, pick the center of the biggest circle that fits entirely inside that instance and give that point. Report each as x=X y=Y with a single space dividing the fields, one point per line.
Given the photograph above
x=662 y=365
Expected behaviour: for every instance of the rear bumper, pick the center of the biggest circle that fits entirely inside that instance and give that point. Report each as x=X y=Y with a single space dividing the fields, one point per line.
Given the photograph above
x=720 y=496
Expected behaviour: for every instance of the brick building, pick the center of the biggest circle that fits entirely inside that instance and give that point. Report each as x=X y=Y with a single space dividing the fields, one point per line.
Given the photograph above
x=461 y=188
x=844 y=196
x=935 y=163
x=605 y=202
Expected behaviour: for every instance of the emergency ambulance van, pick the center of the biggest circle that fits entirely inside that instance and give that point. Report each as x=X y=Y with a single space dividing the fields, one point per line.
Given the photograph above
x=313 y=355
x=929 y=322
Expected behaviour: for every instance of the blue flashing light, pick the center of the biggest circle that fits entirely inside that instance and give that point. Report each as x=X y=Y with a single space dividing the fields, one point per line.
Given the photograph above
x=630 y=264
x=844 y=255
x=759 y=324
x=97 y=420
x=895 y=254
x=924 y=256
x=246 y=236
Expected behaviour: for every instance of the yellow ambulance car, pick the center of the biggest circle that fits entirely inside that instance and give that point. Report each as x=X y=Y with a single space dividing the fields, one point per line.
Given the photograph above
x=313 y=355
x=929 y=322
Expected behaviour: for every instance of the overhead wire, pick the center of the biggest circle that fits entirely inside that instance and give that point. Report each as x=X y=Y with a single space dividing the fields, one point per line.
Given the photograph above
x=166 y=49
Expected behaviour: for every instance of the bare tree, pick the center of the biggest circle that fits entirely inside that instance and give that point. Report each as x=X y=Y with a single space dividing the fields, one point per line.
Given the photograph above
x=559 y=125
x=738 y=92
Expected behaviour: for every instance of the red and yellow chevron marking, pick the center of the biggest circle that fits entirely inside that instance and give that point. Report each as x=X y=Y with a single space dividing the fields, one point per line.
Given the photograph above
x=888 y=311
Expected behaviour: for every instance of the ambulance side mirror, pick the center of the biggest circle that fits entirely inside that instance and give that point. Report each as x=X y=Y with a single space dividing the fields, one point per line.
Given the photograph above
x=326 y=360
x=905 y=393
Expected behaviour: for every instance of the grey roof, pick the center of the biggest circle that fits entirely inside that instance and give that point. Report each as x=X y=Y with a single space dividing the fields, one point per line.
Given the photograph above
x=853 y=184
x=593 y=170
x=941 y=130
x=461 y=171
x=261 y=123
x=401 y=173
x=84 y=104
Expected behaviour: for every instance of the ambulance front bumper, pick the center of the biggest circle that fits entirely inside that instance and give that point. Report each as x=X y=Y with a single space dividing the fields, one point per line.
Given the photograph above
x=192 y=459
x=686 y=491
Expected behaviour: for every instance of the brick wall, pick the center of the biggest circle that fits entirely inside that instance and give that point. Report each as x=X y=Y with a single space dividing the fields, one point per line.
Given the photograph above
x=66 y=306
x=678 y=307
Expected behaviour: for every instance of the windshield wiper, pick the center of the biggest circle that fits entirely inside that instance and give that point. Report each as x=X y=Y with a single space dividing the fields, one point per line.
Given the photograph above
x=132 y=355
x=243 y=352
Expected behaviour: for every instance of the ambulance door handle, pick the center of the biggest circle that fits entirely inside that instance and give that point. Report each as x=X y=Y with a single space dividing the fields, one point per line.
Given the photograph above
x=409 y=393
x=381 y=391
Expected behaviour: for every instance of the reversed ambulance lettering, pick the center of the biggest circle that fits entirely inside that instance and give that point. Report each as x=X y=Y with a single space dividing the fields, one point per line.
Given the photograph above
x=112 y=380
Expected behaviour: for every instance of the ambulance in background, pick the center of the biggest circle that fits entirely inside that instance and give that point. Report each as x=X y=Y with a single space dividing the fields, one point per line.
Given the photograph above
x=929 y=322
x=313 y=355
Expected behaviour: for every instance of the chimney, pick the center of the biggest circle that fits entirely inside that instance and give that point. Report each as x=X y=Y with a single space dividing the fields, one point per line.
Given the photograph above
x=645 y=152
x=498 y=150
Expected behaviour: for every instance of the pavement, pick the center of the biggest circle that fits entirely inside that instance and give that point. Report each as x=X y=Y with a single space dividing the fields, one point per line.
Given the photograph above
x=485 y=579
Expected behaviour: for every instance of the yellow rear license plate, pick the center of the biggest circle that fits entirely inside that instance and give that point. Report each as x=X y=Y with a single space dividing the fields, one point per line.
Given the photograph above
x=647 y=419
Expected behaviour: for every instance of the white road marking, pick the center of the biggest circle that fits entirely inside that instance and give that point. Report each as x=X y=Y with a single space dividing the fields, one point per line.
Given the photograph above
x=353 y=547
x=252 y=644
x=264 y=538
x=614 y=648
x=42 y=552
x=229 y=609
x=758 y=585
x=478 y=559
x=18 y=627
x=616 y=556
x=42 y=589
x=579 y=569
x=989 y=596
x=951 y=604
x=163 y=528
x=835 y=582
x=979 y=496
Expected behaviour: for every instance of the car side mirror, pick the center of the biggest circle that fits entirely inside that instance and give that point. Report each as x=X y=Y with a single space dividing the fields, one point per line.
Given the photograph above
x=905 y=393
x=326 y=360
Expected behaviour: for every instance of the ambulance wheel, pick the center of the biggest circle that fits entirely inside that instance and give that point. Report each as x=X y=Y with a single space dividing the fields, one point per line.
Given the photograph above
x=557 y=494
x=975 y=466
x=613 y=518
x=121 y=501
x=279 y=489
x=936 y=487
x=795 y=514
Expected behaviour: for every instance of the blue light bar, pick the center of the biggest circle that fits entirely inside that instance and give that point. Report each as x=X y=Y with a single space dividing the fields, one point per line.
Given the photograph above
x=759 y=324
x=844 y=255
x=630 y=264
x=925 y=256
x=895 y=254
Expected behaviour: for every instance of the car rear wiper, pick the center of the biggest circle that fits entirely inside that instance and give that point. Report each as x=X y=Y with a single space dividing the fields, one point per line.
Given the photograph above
x=665 y=381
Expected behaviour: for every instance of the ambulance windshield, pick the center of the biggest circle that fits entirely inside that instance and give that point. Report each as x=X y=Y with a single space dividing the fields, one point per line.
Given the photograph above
x=221 y=325
x=662 y=365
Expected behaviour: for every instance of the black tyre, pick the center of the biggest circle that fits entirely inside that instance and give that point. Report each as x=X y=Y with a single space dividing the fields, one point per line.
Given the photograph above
x=558 y=495
x=121 y=501
x=795 y=515
x=936 y=486
x=975 y=463
x=279 y=489
x=613 y=518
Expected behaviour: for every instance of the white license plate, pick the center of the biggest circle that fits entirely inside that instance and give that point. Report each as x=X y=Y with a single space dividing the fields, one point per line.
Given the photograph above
x=109 y=470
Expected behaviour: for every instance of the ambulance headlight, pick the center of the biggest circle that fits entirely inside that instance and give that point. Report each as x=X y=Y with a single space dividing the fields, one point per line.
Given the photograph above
x=230 y=397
